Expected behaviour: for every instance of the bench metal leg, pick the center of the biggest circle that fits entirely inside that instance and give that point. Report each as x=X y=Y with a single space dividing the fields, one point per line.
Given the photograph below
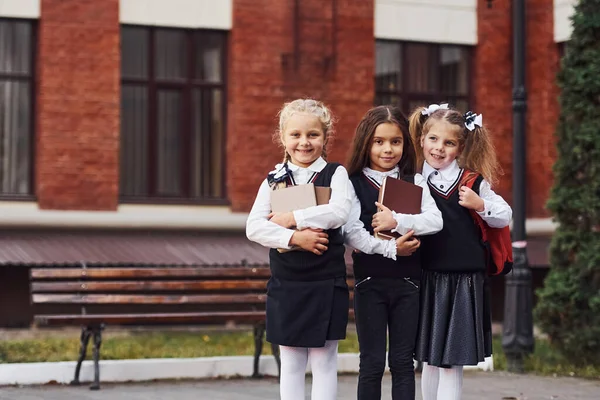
x=84 y=339
x=97 y=343
x=275 y=350
x=259 y=333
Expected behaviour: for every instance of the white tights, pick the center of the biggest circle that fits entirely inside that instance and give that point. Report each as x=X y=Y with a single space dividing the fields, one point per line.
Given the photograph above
x=441 y=383
x=323 y=362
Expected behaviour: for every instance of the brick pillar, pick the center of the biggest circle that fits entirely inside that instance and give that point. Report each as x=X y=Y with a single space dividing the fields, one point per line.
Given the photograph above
x=77 y=153
x=542 y=116
x=331 y=59
x=493 y=92
x=493 y=82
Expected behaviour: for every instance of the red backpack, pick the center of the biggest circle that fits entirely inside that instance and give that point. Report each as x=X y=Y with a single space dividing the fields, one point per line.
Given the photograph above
x=497 y=241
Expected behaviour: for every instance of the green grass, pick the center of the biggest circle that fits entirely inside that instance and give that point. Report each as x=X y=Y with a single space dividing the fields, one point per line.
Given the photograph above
x=143 y=345
x=158 y=344
x=545 y=360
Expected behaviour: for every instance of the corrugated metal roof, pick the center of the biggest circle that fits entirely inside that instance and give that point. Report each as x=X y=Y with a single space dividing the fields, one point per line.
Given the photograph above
x=128 y=248
x=156 y=248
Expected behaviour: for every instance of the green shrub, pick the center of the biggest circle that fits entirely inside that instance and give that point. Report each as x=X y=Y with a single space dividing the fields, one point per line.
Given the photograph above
x=569 y=304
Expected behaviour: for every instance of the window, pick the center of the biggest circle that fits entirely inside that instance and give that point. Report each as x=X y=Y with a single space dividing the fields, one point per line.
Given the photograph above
x=410 y=74
x=16 y=108
x=172 y=115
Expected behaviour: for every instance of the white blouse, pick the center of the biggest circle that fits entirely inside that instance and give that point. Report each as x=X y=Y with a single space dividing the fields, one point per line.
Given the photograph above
x=497 y=213
x=327 y=216
x=428 y=222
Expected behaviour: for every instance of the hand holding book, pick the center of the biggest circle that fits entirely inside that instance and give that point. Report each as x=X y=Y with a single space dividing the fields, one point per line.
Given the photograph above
x=285 y=219
x=313 y=240
x=383 y=220
x=407 y=244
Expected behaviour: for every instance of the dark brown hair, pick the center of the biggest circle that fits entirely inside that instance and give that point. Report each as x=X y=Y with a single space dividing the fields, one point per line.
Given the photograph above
x=363 y=137
x=477 y=151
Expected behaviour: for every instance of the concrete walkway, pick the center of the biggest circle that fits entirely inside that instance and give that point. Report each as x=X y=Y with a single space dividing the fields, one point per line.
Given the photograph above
x=477 y=385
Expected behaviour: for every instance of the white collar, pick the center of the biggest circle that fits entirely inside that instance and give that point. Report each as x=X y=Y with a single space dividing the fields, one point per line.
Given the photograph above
x=379 y=175
x=316 y=166
x=449 y=173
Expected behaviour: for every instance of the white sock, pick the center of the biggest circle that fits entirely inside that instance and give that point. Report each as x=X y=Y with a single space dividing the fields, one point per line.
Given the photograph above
x=293 y=372
x=450 y=387
x=323 y=362
x=430 y=378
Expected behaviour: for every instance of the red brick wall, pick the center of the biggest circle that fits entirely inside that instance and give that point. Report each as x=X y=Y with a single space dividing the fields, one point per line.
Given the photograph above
x=493 y=82
x=493 y=92
x=335 y=67
x=543 y=63
x=78 y=105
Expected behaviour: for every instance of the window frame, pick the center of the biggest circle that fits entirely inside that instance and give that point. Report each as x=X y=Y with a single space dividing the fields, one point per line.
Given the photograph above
x=407 y=97
x=32 y=79
x=153 y=85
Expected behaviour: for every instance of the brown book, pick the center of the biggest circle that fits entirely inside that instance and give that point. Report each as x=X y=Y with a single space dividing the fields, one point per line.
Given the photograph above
x=323 y=195
x=293 y=198
x=399 y=196
x=298 y=197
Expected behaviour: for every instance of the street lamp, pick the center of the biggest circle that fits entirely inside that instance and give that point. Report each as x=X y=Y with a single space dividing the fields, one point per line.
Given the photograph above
x=517 y=335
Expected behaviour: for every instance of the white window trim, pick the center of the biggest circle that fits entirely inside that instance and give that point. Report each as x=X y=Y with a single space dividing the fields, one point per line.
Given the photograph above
x=29 y=9
x=195 y=14
x=29 y=215
x=431 y=21
x=563 y=10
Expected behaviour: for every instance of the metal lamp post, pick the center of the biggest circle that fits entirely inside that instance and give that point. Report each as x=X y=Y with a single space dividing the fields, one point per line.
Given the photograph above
x=517 y=335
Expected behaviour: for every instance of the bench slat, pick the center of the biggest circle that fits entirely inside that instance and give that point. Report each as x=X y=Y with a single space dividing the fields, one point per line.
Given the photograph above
x=200 y=317
x=124 y=286
x=148 y=299
x=95 y=273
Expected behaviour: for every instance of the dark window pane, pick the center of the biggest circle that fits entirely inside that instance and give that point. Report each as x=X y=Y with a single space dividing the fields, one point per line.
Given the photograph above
x=388 y=66
x=384 y=99
x=15 y=47
x=422 y=68
x=169 y=135
x=172 y=143
x=217 y=139
x=412 y=75
x=134 y=52
x=16 y=43
x=171 y=55
x=15 y=137
x=461 y=105
x=134 y=140
x=209 y=56
x=454 y=70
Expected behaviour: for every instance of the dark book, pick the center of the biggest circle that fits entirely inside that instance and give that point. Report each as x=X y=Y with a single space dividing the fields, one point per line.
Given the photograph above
x=399 y=196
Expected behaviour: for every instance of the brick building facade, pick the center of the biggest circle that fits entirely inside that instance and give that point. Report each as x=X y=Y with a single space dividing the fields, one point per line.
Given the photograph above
x=159 y=114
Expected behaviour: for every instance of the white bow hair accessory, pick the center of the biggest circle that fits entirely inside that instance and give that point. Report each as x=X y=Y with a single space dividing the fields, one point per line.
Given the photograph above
x=472 y=119
x=433 y=108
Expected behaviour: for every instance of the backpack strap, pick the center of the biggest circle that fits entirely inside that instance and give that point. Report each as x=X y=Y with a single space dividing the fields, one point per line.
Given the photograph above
x=473 y=181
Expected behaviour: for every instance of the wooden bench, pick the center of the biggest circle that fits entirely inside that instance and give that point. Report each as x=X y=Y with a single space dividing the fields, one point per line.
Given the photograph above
x=95 y=297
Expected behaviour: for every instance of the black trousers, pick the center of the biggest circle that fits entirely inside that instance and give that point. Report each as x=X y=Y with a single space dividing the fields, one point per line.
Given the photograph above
x=383 y=305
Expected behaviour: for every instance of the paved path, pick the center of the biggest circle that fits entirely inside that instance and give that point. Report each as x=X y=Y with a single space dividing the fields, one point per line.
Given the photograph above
x=477 y=385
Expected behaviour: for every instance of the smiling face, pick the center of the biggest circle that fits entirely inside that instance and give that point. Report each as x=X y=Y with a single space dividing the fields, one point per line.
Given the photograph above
x=303 y=139
x=440 y=144
x=387 y=147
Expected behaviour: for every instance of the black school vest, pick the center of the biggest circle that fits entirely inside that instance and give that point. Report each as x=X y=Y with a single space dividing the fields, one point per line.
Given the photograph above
x=457 y=247
x=376 y=265
x=304 y=266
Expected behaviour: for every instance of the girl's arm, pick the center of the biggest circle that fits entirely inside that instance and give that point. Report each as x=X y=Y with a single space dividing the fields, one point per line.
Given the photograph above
x=357 y=237
x=428 y=222
x=334 y=214
x=496 y=212
x=258 y=227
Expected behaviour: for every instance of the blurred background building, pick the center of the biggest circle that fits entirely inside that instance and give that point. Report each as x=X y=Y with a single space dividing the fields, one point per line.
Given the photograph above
x=135 y=132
